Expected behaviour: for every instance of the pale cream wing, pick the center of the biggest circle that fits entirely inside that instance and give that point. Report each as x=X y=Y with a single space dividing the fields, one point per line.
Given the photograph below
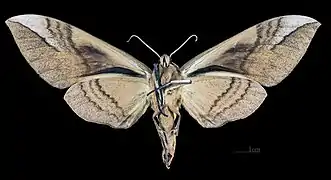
x=266 y=52
x=61 y=53
x=112 y=99
x=216 y=98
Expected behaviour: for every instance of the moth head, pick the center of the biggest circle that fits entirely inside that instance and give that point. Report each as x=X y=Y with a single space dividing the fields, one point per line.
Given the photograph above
x=165 y=61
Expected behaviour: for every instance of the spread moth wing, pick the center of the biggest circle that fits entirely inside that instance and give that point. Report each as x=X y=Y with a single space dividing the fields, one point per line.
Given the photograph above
x=65 y=56
x=215 y=98
x=62 y=54
x=266 y=52
x=226 y=78
x=111 y=99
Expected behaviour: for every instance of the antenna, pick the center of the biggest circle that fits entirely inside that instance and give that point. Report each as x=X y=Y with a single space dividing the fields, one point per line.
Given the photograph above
x=196 y=38
x=144 y=44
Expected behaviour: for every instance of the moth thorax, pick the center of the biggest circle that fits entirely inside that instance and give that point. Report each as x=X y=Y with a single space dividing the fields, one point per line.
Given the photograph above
x=165 y=60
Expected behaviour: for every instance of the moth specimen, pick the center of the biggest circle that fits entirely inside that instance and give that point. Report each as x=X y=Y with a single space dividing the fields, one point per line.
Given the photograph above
x=108 y=86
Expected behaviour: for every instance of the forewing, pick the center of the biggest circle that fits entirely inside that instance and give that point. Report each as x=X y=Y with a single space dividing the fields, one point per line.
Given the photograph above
x=219 y=97
x=266 y=52
x=112 y=99
x=61 y=53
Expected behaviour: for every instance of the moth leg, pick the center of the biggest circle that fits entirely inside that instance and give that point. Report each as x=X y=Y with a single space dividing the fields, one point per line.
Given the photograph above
x=175 y=128
x=158 y=92
x=156 y=117
x=173 y=82
x=161 y=110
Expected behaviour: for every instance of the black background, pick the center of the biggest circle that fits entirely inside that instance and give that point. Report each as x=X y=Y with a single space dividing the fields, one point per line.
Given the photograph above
x=47 y=138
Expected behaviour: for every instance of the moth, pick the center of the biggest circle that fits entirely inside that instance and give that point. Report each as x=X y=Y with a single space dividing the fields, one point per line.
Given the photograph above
x=110 y=87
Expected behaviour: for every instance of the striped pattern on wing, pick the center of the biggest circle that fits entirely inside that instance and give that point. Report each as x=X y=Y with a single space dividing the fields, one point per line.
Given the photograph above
x=114 y=100
x=214 y=99
x=266 y=52
x=61 y=53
